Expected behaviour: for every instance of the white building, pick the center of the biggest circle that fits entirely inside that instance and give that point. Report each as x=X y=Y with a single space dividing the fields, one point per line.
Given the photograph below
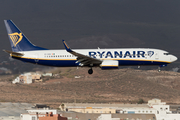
x=155 y=107
x=27 y=78
x=155 y=102
x=163 y=113
x=48 y=74
x=160 y=109
x=34 y=114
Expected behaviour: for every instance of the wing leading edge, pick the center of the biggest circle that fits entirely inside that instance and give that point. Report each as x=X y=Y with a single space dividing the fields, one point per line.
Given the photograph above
x=84 y=60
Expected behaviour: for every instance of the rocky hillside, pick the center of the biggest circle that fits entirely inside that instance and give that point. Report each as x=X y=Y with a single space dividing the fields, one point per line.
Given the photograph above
x=115 y=86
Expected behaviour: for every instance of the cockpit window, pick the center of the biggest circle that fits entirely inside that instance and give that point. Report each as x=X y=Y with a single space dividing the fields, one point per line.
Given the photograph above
x=166 y=53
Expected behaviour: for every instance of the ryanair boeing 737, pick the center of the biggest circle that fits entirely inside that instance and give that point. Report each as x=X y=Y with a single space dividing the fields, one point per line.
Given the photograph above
x=24 y=50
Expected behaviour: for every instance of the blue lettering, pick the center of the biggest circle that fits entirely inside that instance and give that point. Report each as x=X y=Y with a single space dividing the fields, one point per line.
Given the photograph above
x=101 y=54
x=134 y=54
x=127 y=54
x=92 y=54
x=108 y=54
x=140 y=53
x=117 y=54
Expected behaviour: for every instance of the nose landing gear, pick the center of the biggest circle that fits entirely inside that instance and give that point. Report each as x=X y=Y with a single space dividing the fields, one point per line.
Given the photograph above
x=159 y=68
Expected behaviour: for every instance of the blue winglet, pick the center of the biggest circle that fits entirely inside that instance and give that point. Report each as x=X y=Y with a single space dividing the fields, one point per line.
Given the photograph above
x=68 y=49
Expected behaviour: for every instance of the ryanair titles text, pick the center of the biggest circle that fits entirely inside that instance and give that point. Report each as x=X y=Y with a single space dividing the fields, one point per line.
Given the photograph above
x=120 y=54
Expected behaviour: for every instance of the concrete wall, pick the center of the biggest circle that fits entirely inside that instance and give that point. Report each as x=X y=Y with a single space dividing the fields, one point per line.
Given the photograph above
x=91 y=116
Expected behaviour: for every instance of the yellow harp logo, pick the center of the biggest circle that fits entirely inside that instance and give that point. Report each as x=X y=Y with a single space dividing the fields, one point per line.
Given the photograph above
x=16 y=38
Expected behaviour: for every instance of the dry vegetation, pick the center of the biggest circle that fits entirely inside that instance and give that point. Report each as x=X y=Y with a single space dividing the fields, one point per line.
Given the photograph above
x=114 y=86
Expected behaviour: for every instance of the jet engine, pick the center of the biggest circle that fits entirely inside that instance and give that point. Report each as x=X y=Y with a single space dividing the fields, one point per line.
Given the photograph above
x=109 y=64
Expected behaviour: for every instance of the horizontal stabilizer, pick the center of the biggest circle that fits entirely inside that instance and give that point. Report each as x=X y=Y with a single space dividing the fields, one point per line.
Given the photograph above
x=13 y=53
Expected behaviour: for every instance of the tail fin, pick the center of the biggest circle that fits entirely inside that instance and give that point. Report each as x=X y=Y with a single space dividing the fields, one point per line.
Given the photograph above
x=18 y=40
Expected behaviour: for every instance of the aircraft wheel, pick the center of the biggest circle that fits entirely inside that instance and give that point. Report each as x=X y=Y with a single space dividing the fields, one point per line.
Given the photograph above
x=90 y=71
x=159 y=69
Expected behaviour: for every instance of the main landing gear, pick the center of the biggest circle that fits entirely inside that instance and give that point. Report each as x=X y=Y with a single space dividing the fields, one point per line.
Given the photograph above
x=90 y=71
x=159 y=69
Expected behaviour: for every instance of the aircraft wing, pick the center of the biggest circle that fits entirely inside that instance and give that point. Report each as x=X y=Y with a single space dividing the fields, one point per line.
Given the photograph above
x=13 y=53
x=84 y=60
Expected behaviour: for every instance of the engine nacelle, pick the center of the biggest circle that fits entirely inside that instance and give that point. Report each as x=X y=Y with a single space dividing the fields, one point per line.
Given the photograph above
x=109 y=64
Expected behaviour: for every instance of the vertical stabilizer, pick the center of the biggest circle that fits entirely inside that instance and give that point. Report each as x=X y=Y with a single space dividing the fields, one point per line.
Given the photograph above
x=18 y=40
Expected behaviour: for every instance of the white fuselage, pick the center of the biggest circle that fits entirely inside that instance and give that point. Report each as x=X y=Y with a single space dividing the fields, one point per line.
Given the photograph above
x=126 y=56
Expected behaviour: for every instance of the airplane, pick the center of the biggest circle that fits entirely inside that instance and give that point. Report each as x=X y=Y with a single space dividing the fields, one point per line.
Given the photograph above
x=24 y=50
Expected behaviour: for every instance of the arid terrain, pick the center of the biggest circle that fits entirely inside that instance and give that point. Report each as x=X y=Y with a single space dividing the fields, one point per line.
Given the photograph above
x=114 y=86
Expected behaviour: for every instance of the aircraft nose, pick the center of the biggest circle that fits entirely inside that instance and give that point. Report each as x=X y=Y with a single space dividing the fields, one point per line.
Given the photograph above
x=173 y=58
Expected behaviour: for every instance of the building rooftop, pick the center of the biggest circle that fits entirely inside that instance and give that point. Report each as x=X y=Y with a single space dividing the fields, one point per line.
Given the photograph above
x=95 y=105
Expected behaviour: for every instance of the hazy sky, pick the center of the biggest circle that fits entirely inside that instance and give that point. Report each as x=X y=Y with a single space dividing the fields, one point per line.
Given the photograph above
x=47 y=22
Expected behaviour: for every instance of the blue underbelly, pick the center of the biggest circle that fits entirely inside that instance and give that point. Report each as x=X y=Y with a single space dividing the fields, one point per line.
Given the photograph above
x=71 y=63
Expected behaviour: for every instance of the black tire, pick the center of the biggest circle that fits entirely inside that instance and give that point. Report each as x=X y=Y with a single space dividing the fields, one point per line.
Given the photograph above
x=90 y=71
